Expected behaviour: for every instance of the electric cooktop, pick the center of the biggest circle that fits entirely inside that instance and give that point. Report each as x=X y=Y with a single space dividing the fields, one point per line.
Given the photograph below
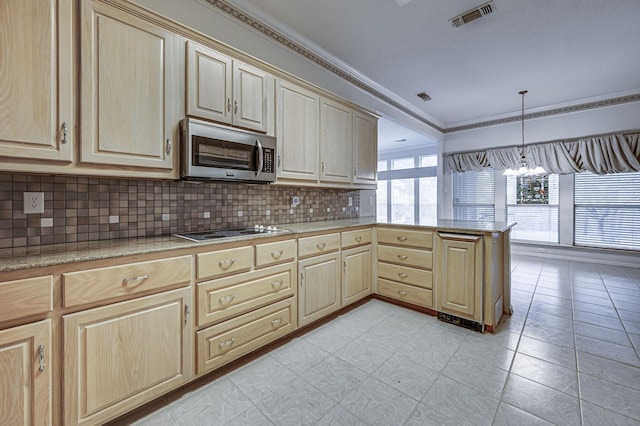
x=202 y=236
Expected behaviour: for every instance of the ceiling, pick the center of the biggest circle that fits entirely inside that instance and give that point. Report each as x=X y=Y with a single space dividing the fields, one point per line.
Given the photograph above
x=564 y=52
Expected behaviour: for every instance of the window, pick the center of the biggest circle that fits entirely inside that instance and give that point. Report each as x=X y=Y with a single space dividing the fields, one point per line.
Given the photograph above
x=532 y=201
x=473 y=195
x=607 y=210
x=407 y=190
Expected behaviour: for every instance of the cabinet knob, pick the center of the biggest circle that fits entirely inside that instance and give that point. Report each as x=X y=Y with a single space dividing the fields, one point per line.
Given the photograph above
x=276 y=254
x=402 y=257
x=276 y=322
x=402 y=275
x=226 y=263
x=141 y=278
x=277 y=284
x=226 y=299
x=321 y=246
x=402 y=238
x=402 y=292
x=226 y=343
x=358 y=238
x=65 y=128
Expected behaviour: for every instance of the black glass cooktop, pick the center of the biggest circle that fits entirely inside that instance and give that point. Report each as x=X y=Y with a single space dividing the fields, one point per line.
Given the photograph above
x=201 y=236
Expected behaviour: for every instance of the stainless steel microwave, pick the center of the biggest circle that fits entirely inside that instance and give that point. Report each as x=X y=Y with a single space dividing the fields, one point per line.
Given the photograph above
x=214 y=152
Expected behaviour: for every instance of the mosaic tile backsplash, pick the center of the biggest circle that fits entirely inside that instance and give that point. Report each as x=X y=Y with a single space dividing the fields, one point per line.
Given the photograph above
x=89 y=209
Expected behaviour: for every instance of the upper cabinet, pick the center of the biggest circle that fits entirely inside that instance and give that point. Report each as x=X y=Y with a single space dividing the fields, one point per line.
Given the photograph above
x=129 y=90
x=297 y=130
x=365 y=148
x=226 y=90
x=335 y=142
x=36 y=76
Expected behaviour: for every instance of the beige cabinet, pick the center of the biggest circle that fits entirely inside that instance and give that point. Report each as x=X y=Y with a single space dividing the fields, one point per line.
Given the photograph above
x=226 y=90
x=335 y=142
x=357 y=274
x=36 y=105
x=119 y=356
x=365 y=148
x=405 y=263
x=319 y=287
x=460 y=267
x=25 y=374
x=298 y=132
x=128 y=92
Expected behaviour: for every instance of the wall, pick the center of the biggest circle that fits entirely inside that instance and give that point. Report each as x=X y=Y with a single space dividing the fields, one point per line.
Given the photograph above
x=88 y=209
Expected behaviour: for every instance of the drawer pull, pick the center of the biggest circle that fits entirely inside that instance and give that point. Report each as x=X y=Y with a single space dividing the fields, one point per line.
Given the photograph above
x=41 y=357
x=224 y=264
x=187 y=312
x=226 y=299
x=276 y=254
x=402 y=292
x=402 y=257
x=402 y=275
x=321 y=246
x=140 y=278
x=277 y=285
x=402 y=238
x=276 y=322
x=226 y=343
x=359 y=238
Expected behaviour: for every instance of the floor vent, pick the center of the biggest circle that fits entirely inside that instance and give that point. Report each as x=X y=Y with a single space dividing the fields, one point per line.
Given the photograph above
x=462 y=322
x=473 y=14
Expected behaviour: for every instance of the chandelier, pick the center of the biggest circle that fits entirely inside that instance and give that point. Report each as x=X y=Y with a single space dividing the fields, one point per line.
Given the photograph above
x=523 y=168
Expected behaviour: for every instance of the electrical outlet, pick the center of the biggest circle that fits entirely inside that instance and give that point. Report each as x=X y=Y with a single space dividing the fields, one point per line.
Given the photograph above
x=295 y=201
x=33 y=202
x=350 y=201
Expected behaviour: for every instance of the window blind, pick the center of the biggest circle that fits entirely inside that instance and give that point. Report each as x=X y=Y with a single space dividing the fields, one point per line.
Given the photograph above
x=473 y=195
x=607 y=210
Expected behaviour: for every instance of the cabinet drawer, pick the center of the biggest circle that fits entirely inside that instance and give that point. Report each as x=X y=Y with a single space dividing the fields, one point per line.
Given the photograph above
x=222 y=343
x=405 y=274
x=406 y=237
x=30 y=296
x=105 y=283
x=356 y=237
x=309 y=246
x=227 y=297
x=406 y=293
x=406 y=256
x=280 y=251
x=224 y=261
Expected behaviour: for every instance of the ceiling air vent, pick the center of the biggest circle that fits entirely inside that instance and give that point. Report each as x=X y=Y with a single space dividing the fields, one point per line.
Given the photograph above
x=424 y=96
x=473 y=14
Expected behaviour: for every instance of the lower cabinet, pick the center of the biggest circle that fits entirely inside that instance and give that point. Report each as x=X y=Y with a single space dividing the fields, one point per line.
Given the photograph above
x=25 y=374
x=120 y=356
x=357 y=276
x=319 y=292
x=229 y=340
x=460 y=266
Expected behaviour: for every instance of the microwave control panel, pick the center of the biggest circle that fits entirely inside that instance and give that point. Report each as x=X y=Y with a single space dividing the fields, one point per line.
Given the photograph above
x=268 y=161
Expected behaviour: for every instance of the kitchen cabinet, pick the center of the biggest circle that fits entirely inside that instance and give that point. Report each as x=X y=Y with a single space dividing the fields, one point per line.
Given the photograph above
x=25 y=374
x=335 y=142
x=223 y=89
x=365 y=148
x=460 y=276
x=129 y=91
x=298 y=132
x=357 y=274
x=37 y=83
x=405 y=263
x=119 y=356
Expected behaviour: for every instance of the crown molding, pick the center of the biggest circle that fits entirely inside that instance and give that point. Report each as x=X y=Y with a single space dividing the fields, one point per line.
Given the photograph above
x=344 y=71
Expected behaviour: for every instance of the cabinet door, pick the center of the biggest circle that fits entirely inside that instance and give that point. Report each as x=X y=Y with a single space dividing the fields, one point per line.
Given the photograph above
x=365 y=148
x=319 y=287
x=356 y=274
x=459 y=290
x=335 y=142
x=297 y=131
x=250 y=103
x=209 y=83
x=25 y=374
x=120 y=356
x=127 y=89
x=36 y=79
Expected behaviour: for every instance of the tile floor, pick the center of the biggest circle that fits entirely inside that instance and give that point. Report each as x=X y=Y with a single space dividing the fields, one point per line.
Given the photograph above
x=567 y=356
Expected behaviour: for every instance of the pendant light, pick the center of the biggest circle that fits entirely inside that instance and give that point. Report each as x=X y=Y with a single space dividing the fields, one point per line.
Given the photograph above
x=523 y=168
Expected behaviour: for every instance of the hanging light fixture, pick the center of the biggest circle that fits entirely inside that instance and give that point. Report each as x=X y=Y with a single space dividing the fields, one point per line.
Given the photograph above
x=523 y=168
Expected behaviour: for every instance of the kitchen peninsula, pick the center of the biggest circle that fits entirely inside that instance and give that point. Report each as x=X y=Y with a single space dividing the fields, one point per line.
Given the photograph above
x=220 y=300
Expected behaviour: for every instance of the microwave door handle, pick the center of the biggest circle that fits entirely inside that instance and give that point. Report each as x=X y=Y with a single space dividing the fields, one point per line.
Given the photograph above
x=260 y=157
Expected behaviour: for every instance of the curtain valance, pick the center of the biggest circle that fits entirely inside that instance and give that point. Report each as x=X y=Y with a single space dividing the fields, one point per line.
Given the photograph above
x=613 y=153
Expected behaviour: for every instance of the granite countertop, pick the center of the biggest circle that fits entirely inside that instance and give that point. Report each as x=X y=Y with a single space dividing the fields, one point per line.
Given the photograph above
x=58 y=254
